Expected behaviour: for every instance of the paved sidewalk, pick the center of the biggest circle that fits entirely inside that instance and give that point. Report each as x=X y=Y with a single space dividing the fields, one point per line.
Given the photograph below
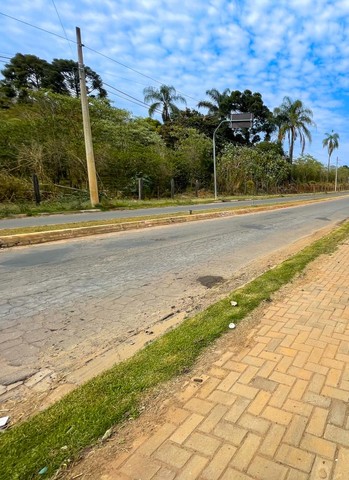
x=278 y=410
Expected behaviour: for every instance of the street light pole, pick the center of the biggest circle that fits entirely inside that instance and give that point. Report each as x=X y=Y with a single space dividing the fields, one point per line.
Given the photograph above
x=336 y=178
x=214 y=158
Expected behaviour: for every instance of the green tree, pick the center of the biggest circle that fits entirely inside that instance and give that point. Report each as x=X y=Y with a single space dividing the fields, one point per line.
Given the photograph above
x=241 y=167
x=219 y=104
x=331 y=141
x=164 y=99
x=293 y=120
x=192 y=158
x=28 y=73
x=223 y=104
x=247 y=101
x=307 y=169
x=64 y=78
x=24 y=73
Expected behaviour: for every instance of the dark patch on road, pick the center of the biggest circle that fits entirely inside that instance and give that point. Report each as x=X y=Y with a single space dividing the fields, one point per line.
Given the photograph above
x=325 y=219
x=210 y=281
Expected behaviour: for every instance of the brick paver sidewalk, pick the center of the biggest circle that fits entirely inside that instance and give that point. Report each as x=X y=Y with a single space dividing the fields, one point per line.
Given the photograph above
x=276 y=411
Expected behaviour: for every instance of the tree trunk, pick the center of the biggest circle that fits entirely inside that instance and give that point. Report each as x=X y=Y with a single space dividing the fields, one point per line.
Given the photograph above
x=291 y=146
x=328 y=168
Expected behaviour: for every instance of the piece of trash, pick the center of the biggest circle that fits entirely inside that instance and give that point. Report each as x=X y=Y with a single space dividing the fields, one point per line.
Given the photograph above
x=65 y=447
x=43 y=471
x=232 y=325
x=197 y=380
x=4 y=421
x=233 y=303
x=107 y=434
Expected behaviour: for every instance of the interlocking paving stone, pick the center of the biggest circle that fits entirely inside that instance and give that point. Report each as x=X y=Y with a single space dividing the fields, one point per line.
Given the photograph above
x=277 y=409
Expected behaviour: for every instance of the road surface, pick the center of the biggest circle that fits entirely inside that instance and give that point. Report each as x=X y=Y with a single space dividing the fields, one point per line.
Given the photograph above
x=62 y=303
x=113 y=214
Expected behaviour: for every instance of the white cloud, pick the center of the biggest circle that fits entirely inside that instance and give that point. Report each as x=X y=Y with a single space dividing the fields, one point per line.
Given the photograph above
x=298 y=48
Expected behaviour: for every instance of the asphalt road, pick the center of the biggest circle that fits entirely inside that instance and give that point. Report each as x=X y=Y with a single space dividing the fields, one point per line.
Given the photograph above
x=91 y=215
x=63 y=301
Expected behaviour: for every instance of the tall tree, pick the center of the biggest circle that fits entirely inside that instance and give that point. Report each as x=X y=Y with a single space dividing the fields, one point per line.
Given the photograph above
x=163 y=99
x=293 y=120
x=247 y=101
x=23 y=73
x=27 y=73
x=220 y=103
x=331 y=141
x=64 y=79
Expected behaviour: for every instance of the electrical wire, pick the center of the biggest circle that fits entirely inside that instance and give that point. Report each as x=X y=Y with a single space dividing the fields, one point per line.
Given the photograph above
x=131 y=98
x=34 y=26
x=124 y=78
x=123 y=98
x=94 y=51
x=60 y=21
x=133 y=70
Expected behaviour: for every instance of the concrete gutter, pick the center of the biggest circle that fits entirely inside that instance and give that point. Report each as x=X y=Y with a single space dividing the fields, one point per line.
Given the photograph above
x=16 y=240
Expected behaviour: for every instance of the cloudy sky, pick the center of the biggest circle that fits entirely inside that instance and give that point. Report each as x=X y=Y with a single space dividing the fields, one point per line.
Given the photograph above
x=298 y=48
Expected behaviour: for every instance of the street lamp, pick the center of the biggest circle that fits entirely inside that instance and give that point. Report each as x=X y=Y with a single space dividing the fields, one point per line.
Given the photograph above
x=214 y=158
x=336 y=177
x=236 y=120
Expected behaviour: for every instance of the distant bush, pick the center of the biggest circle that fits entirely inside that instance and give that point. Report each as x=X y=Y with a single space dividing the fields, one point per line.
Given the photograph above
x=14 y=189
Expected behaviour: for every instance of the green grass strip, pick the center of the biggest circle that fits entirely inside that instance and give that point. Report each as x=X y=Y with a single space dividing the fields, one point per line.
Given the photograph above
x=114 y=221
x=84 y=415
x=9 y=209
x=161 y=216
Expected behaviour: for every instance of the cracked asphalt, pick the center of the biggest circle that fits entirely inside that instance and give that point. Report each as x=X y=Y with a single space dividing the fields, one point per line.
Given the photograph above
x=64 y=303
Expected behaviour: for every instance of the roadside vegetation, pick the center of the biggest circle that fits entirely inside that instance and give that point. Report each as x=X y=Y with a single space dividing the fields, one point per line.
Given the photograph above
x=52 y=439
x=41 y=137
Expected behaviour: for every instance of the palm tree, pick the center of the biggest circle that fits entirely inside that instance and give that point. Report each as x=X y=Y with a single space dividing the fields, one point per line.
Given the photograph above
x=331 y=141
x=293 y=120
x=163 y=99
x=220 y=103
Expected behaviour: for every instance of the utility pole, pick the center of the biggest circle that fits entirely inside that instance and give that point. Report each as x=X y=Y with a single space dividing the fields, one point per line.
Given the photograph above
x=91 y=168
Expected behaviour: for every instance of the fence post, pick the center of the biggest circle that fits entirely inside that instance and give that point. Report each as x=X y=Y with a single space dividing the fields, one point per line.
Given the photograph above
x=172 y=187
x=36 y=187
x=140 y=188
x=196 y=188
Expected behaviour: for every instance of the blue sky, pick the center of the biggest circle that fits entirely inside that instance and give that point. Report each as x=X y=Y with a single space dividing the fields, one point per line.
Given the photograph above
x=298 y=48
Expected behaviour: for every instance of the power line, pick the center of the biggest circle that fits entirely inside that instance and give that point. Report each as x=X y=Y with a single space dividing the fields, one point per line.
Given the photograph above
x=124 y=78
x=123 y=98
x=34 y=26
x=133 y=99
x=60 y=21
x=133 y=70
x=95 y=51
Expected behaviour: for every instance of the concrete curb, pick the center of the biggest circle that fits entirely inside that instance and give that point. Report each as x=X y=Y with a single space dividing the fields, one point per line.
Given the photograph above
x=23 y=239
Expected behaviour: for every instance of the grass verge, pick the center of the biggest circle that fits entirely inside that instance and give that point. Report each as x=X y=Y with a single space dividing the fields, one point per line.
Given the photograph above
x=84 y=415
x=71 y=205
x=236 y=209
x=75 y=205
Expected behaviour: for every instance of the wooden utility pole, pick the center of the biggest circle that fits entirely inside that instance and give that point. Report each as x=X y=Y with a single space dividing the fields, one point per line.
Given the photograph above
x=91 y=168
